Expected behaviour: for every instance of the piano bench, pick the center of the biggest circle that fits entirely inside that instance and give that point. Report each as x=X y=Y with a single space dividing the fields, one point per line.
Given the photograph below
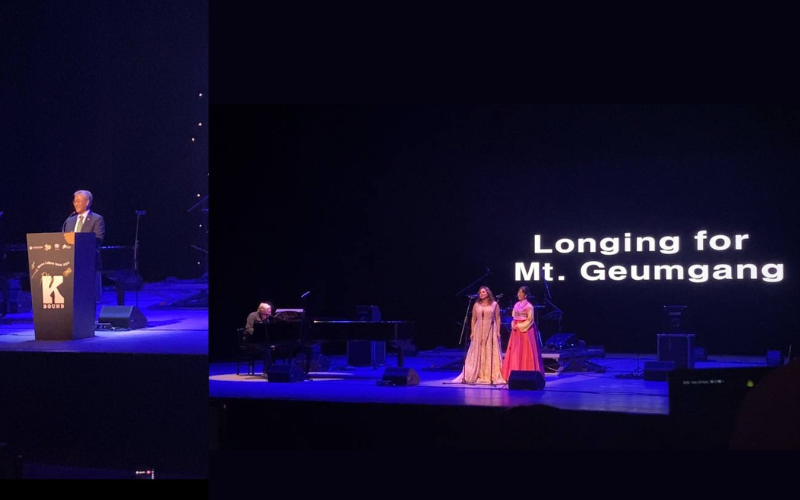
x=251 y=366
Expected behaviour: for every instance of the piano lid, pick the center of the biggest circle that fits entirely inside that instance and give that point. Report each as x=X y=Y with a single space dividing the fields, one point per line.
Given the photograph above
x=361 y=330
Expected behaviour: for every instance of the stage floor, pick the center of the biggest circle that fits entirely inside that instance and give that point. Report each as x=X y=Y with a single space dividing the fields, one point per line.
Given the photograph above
x=610 y=383
x=168 y=331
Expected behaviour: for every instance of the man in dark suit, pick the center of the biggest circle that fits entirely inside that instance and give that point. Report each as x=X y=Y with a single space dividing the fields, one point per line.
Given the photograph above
x=83 y=220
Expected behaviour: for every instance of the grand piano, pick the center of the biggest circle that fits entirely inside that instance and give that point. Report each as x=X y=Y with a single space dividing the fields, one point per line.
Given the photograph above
x=366 y=340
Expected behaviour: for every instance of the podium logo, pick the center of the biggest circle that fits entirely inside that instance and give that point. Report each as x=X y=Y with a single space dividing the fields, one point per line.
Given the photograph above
x=51 y=297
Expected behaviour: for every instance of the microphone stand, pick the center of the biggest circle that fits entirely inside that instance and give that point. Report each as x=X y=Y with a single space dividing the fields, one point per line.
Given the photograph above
x=139 y=213
x=466 y=316
x=64 y=225
x=469 y=287
x=555 y=313
x=498 y=328
x=303 y=324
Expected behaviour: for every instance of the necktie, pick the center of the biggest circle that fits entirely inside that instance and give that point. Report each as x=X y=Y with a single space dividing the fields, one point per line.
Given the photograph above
x=80 y=224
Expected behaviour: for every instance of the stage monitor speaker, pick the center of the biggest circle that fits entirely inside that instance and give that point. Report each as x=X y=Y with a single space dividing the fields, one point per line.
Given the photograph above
x=129 y=317
x=658 y=371
x=285 y=373
x=397 y=375
x=526 y=380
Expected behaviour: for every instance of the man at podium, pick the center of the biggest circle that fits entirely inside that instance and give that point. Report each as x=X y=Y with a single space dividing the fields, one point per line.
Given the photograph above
x=83 y=220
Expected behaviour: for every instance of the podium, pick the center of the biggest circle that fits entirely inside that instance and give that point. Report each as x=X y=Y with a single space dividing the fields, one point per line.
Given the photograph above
x=62 y=273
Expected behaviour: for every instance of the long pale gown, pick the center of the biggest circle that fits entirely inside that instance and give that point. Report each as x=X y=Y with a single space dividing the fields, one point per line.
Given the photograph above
x=482 y=364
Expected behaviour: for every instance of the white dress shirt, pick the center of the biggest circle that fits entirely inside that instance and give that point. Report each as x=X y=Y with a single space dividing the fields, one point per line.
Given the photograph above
x=83 y=215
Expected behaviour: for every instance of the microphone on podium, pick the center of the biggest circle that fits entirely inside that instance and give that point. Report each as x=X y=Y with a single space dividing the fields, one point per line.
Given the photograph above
x=64 y=225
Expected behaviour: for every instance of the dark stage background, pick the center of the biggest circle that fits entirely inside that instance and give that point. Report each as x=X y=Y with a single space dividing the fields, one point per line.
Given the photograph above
x=403 y=206
x=105 y=96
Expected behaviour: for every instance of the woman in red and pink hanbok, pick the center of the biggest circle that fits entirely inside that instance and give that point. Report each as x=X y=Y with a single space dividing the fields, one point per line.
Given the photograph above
x=524 y=350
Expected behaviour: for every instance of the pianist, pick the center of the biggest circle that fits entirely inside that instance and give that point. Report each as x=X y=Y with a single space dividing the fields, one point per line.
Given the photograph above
x=261 y=315
x=258 y=347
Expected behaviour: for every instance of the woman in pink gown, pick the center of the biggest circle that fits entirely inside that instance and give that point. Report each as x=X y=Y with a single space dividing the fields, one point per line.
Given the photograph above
x=482 y=365
x=524 y=351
